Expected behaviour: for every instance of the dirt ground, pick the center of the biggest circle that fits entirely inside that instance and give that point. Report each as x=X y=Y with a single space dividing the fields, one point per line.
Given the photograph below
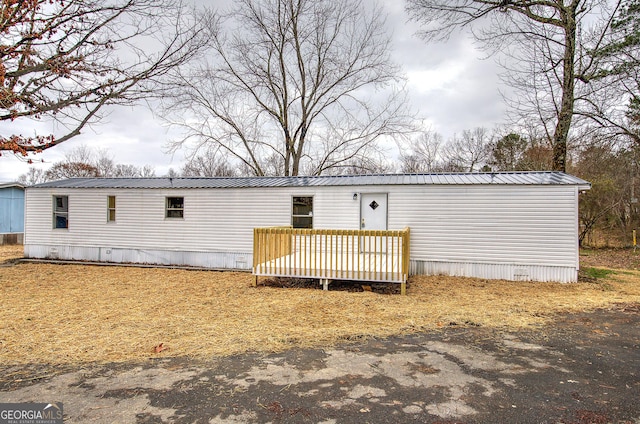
x=453 y=351
x=610 y=258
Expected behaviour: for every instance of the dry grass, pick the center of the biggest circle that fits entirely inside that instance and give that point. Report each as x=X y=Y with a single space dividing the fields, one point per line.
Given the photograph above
x=9 y=252
x=76 y=313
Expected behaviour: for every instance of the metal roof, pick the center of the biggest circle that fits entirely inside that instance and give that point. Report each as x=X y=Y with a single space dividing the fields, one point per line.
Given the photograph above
x=475 y=178
x=12 y=184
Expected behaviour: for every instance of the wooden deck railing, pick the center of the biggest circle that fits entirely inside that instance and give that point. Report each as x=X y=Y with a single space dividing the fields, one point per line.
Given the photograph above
x=366 y=255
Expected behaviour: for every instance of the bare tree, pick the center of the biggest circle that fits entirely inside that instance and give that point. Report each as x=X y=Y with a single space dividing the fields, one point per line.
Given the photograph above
x=210 y=163
x=67 y=60
x=292 y=86
x=107 y=166
x=172 y=173
x=468 y=153
x=33 y=176
x=147 y=171
x=544 y=41
x=97 y=158
x=102 y=160
x=126 y=170
x=422 y=154
x=83 y=161
x=362 y=165
x=62 y=170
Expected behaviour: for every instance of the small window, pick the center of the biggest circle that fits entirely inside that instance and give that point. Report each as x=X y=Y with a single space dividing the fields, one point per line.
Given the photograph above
x=111 y=208
x=60 y=212
x=175 y=207
x=302 y=216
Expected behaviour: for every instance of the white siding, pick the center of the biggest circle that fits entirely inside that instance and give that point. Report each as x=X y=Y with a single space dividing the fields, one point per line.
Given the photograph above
x=516 y=232
x=489 y=224
x=214 y=220
x=220 y=220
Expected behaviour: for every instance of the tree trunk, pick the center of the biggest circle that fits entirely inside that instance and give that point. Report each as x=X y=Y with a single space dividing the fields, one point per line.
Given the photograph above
x=288 y=153
x=565 y=115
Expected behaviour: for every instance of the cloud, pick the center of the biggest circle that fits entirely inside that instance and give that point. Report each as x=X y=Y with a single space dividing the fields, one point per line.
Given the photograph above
x=450 y=86
x=132 y=135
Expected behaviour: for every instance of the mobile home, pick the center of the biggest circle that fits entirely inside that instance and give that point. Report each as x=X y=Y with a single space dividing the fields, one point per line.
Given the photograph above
x=514 y=226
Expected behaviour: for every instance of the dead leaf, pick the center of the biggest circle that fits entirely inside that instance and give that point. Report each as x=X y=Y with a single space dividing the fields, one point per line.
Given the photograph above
x=159 y=348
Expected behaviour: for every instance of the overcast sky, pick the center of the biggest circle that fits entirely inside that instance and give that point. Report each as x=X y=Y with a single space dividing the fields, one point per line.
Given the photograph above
x=451 y=86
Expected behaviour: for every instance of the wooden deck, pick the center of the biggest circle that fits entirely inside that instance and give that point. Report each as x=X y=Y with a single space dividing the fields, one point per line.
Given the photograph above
x=332 y=254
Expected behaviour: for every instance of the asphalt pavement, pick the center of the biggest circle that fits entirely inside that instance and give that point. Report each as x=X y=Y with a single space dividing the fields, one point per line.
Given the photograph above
x=584 y=368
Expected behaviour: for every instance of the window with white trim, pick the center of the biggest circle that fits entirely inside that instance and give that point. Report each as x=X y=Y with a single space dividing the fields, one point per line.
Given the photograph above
x=302 y=212
x=174 y=207
x=111 y=208
x=60 y=211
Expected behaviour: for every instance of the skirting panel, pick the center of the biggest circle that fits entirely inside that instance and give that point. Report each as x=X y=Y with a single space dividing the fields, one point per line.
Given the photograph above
x=244 y=261
x=214 y=260
x=513 y=272
x=11 y=238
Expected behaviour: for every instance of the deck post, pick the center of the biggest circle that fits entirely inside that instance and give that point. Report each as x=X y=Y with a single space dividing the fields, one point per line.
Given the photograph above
x=325 y=283
x=403 y=288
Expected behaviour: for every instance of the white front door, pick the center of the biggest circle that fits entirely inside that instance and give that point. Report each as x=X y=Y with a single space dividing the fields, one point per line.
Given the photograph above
x=373 y=211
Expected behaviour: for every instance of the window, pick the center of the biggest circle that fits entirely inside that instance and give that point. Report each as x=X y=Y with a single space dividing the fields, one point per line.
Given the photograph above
x=60 y=212
x=175 y=207
x=302 y=216
x=111 y=208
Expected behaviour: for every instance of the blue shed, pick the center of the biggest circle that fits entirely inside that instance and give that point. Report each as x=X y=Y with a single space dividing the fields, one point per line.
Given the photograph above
x=11 y=213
